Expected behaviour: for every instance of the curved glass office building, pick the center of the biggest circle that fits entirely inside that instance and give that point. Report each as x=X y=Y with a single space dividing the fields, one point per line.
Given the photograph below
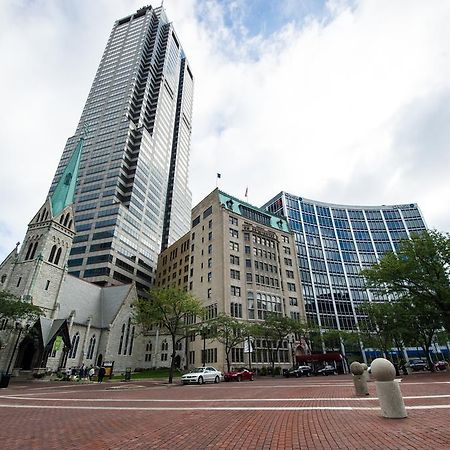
x=334 y=242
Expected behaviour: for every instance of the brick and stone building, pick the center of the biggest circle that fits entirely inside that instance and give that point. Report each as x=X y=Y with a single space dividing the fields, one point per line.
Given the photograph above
x=238 y=260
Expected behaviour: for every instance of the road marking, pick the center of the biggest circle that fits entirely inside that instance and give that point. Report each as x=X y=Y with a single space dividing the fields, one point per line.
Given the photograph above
x=217 y=400
x=220 y=408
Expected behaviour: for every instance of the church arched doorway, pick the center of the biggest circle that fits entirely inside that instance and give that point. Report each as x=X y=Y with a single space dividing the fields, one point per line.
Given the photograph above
x=28 y=354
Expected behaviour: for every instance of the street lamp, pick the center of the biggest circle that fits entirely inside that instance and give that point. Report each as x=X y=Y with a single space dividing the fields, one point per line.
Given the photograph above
x=204 y=332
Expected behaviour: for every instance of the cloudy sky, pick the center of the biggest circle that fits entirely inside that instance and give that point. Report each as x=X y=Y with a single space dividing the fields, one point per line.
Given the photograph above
x=343 y=101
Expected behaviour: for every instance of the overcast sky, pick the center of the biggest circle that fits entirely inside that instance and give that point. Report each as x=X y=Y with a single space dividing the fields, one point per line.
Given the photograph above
x=342 y=101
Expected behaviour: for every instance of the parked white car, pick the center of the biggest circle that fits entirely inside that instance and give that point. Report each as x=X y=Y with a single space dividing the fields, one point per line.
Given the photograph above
x=202 y=375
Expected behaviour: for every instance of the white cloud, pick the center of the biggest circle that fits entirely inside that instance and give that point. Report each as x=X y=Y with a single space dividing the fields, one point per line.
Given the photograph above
x=325 y=109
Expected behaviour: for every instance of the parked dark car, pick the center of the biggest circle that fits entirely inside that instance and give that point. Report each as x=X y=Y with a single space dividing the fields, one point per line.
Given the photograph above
x=326 y=370
x=239 y=375
x=298 y=372
x=418 y=365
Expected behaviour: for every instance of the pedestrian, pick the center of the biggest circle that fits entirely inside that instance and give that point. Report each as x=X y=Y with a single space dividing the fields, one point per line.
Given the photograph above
x=91 y=372
x=83 y=372
x=101 y=374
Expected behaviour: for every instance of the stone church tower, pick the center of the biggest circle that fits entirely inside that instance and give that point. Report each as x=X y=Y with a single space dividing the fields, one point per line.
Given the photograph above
x=36 y=272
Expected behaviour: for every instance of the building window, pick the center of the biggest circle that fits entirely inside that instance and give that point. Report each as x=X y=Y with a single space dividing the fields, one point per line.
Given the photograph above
x=210 y=236
x=209 y=293
x=237 y=355
x=233 y=220
x=3 y=324
x=235 y=274
x=122 y=336
x=235 y=291
x=248 y=263
x=148 y=351
x=192 y=357
x=236 y=310
x=288 y=261
x=291 y=287
x=75 y=342
x=247 y=249
x=131 y=341
x=18 y=281
x=287 y=250
x=234 y=260
x=234 y=246
x=209 y=276
x=90 y=352
x=209 y=249
x=289 y=273
x=209 y=263
x=234 y=233
x=58 y=256
x=293 y=301
x=285 y=239
x=249 y=277
x=47 y=284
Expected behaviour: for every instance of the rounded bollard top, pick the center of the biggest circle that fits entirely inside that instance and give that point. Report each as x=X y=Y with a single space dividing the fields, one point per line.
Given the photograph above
x=383 y=370
x=356 y=368
x=364 y=366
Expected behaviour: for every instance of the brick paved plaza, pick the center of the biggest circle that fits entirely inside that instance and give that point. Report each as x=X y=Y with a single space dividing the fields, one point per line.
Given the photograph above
x=305 y=413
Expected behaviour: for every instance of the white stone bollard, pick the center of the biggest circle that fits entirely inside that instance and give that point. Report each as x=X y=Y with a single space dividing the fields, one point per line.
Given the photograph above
x=388 y=390
x=359 y=380
x=366 y=372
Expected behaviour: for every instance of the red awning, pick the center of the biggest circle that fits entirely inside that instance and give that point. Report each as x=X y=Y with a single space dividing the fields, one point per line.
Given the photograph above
x=327 y=357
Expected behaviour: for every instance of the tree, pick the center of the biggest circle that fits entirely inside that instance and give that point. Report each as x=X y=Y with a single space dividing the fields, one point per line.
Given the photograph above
x=13 y=308
x=228 y=331
x=382 y=327
x=276 y=328
x=419 y=271
x=420 y=323
x=173 y=310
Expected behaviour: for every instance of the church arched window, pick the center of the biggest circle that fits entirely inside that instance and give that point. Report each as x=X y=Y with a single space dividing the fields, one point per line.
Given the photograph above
x=58 y=255
x=33 y=252
x=127 y=337
x=66 y=220
x=131 y=342
x=30 y=247
x=70 y=223
x=148 y=351
x=73 y=350
x=91 y=347
x=61 y=219
x=121 y=339
x=52 y=254
x=3 y=279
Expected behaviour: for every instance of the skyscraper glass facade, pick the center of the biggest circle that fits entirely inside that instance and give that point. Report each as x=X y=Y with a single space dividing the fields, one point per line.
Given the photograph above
x=132 y=193
x=334 y=242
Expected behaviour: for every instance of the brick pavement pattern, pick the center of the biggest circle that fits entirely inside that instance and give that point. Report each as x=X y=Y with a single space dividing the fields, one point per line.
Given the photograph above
x=307 y=413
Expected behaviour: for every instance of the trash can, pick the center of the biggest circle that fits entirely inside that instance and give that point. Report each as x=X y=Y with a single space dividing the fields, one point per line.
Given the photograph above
x=4 y=379
x=127 y=375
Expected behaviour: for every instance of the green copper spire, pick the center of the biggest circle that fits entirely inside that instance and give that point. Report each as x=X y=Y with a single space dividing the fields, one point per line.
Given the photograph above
x=65 y=189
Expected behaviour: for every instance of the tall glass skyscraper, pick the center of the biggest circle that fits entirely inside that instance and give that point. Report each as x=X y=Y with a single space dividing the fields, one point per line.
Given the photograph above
x=334 y=242
x=132 y=194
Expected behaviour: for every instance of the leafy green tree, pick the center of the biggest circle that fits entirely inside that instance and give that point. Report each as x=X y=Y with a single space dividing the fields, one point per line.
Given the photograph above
x=173 y=310
x=382 y=328
x=228 y=331
x=13 y=308
x=419 y=271
x=419 y=324
x=275 y=329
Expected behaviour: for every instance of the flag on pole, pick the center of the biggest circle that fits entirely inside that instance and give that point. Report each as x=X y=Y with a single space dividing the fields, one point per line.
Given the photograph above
x=246 y=192
x=248 y=347
x=218 y=175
